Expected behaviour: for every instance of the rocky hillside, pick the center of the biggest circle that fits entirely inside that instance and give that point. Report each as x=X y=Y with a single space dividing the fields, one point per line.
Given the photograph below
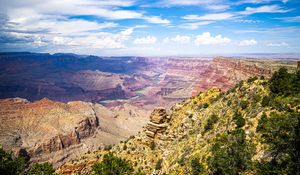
x=241 y=131
x=51 y=131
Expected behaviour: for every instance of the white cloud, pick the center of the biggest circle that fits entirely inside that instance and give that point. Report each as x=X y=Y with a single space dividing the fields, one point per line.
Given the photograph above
x=48 y=23
x=187 y=2
x=250 y=42
x=156 y=20
x=101 y=40
x=258 y=1
x=218 y=7
x=207 y=39
x=63 y=26
x=250 y=21
x=282 y=44
x=145 y=40
x=36 y=10
x=290 y=19
x=166 y=40
x=182 y=39
x=263 y=9
x=195 y=25
x=208 y=17
x=105 y=9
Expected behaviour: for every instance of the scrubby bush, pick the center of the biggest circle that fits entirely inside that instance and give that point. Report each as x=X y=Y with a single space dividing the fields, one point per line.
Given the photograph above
x=210 y=122
x=152 y=145
x=256 y=97
x=124 y=147
x=231 y=154
x=158 y=165
x=239 y=120
x=139 y=172
x=10 y=165
x=197 y=167
x=265 y=101
x=41 y=169
x=112 y=165
x=282 y=133
x=284 y=83
x=252 y=79
x=243 y=104
x=229 y=103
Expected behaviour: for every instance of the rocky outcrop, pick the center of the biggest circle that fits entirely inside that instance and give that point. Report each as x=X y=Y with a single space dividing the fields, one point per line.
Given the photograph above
x=157 y=125
x=56 y=132
x=44 y=127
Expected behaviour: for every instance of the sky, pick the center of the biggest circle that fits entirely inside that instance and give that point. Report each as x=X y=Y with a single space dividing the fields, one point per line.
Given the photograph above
x=150 y=27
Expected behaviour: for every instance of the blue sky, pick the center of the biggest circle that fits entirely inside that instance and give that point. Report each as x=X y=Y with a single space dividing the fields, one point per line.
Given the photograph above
x=154 y=28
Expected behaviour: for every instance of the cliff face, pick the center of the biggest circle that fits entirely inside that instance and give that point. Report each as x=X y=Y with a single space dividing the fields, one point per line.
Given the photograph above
x=56 y=132
x=242 y=66
x=44 y=127
x=187 y=131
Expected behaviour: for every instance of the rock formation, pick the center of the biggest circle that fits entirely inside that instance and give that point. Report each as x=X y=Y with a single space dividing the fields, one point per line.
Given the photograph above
x=56 y=132
x=157 y=124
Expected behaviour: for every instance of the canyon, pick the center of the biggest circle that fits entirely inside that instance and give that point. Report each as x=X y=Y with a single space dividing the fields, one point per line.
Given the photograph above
x=57 y=107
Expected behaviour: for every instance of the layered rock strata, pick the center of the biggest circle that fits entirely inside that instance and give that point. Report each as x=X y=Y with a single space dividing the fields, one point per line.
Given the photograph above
x=157 y=125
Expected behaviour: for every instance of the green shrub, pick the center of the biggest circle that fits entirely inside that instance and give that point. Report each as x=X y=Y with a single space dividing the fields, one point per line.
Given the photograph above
x=229 y=103
x=256 y=97
x=139 y=172
x=158 y=164
x=252 y=79
x=231 y=154
x=152 y=145
x=112 y=165
x=282 y=133
x=10 y=165
x=284 y=83
x=239 y=120
x=124 y=147
x=197 y=167
x=210 y=122
x=243 y=104
x=180 y=161
x=265 y=101
x=41 y=169
x=205 y=105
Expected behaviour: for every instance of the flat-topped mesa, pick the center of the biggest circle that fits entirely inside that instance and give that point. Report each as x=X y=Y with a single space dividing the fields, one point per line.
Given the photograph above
x=157 y=124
